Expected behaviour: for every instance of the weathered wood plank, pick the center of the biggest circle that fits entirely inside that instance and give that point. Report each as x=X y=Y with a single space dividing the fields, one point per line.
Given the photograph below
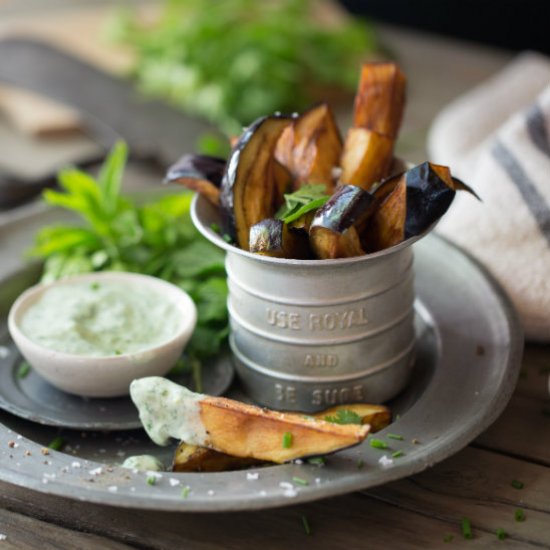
x=353 y=521
x=522 y=431
x=478 y=484
x=533 y=378
x=26 y=533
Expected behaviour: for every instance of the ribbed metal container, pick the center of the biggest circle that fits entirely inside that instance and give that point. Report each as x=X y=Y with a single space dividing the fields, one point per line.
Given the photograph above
x=307 y=334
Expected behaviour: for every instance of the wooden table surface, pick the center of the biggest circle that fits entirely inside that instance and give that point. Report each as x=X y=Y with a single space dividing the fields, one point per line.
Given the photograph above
x=422 y=511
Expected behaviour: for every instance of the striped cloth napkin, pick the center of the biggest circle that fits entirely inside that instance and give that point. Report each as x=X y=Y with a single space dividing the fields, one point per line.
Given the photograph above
x=496 y=139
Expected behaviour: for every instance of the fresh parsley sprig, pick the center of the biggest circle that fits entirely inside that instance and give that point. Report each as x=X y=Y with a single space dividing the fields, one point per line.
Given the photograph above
x=344 y=416
x=236 y=60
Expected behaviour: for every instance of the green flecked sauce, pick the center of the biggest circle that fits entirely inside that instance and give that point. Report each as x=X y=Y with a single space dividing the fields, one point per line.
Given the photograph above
x=101 y=318
x=143 y=463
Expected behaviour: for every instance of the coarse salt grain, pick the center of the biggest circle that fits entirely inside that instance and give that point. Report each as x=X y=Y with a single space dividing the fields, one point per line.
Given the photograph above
x=3 y=537
x=174 y=482
x=112 y=489
x=252 y=476
x=96 y=471
x=75 y=464
x=385 y=461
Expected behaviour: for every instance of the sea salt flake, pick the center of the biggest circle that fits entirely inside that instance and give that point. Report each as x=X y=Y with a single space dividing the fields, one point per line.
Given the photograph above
x=174 y=482
x=112 y=489
x=289 y=493
x=3 y=537
x=76 y=465
x=385 y=461
x=96 y=471
x=252 y=476
x=286 y=485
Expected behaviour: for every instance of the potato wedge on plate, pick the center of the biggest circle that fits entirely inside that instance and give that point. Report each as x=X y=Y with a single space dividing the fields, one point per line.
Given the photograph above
x=167 y=411
x=192 y=458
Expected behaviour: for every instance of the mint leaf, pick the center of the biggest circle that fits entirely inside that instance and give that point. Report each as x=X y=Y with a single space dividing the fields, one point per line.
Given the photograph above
x=309 y=197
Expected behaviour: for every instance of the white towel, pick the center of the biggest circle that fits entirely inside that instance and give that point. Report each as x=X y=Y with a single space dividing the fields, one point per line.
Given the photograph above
x=497 y=139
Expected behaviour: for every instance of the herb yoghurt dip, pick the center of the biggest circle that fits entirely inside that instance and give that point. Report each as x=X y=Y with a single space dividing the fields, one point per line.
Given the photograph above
x=99 y=319
x=168 y=410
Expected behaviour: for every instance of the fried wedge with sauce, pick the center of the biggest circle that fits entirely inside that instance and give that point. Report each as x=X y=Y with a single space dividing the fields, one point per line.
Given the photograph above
x=170 y=411
x=192 y=458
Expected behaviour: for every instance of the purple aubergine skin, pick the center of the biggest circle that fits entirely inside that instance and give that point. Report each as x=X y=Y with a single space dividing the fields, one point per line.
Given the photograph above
x=197 y=167
x=348 y=205
x=428 y=198
x=241 y=165
x=266 y=236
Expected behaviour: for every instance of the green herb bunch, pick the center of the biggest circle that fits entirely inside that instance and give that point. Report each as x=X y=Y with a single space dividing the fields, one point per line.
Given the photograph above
x=156 y=238
x=232 y=61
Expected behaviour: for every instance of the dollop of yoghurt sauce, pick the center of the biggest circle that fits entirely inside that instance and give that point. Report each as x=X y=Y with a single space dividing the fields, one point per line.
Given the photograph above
x=168 y=410
x=101 y=319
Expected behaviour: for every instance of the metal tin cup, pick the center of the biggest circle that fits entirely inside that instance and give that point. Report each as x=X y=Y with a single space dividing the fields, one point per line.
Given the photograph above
x=308 y=334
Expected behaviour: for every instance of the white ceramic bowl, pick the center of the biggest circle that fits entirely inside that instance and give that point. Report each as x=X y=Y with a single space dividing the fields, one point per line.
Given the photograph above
x=108 y=376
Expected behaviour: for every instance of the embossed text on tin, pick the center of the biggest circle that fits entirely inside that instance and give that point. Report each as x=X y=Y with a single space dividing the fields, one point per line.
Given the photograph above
x=321 y=360
x=335 y=396
x=317 y=321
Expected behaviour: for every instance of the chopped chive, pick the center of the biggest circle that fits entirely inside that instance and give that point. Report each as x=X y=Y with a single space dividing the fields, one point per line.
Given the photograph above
x=118 y=352
x=23 y=370
x=215 y=227
x=397 y=454
x=151 y=480
x=501 y=534
x=307 y=528
x=448 y=537
x=227 y=238
x=317 y=460
x=94 y=285
x=519 y=515
x=57 y=443
x=466 y=529
x=287 y=440
x=300 y=481
x=517 y=484
x=378 y=444
x=185 y=491
x=395 y=436
x=360 y=464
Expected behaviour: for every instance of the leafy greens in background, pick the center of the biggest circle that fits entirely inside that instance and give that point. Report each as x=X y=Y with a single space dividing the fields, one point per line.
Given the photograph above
x=232 y=61
x=155 y=238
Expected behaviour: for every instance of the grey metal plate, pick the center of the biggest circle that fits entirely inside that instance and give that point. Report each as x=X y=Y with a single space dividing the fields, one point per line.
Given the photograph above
x=468 y=360
x=33 y=398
